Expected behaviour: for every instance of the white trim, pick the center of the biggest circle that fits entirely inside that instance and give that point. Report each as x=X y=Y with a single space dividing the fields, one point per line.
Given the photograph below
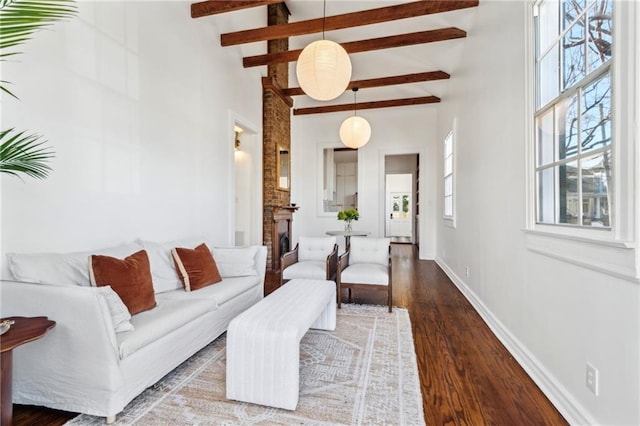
x=615 y=258
x=568 y=406
x=529 y=108
x=320 y=147
x=426 y=184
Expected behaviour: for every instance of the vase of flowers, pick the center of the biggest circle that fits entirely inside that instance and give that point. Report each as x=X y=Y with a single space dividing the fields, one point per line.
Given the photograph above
x=348 y=216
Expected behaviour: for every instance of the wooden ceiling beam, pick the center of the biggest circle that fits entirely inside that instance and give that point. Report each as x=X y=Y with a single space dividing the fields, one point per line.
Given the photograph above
x=347 y=20
x=367 y=105
x=383 y=81
x=214 y=7
x=363 y=45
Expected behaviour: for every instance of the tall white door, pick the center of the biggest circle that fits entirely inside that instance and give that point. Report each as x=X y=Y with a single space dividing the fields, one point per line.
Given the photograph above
x=399 y=215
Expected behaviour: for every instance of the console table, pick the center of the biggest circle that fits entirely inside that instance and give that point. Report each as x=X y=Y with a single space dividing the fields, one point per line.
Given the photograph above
x=23 y=330
x=347 y=236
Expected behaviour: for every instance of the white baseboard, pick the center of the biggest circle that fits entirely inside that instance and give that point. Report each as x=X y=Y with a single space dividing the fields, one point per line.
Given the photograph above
x=566 y=403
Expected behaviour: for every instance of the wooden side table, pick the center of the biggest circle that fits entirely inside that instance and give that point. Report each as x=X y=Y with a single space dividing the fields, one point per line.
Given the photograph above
x=24 y=330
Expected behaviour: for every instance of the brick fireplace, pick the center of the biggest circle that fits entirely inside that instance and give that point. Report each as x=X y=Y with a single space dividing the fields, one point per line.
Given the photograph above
x=276 y=134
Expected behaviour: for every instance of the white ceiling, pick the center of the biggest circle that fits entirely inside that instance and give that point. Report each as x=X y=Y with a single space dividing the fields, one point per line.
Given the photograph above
x=444 y=55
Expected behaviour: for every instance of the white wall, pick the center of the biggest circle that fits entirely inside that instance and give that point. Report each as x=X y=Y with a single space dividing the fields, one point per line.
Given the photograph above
x=394 y=131
x=553 y=315
x=135 y=99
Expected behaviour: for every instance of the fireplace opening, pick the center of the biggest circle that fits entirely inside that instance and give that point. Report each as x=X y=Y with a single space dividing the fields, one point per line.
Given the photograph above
x=283 y=243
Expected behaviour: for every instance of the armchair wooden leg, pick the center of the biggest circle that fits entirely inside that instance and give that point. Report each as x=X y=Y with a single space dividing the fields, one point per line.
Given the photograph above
x=389 y=298
x=349 y=295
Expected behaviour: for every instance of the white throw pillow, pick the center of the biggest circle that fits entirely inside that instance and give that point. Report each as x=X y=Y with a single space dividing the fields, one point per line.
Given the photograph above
x=163 y=270
x=60 y=268
x=369 y=250
x=235 y=261
x=315 y=248
x=120 y=315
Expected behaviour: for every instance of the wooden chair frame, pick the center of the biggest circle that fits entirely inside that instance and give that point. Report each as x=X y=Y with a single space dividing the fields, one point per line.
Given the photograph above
x=343 y=262
x=291 y=257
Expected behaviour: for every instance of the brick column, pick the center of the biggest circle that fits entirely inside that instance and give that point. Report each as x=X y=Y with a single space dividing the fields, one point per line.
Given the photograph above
x=276 y=131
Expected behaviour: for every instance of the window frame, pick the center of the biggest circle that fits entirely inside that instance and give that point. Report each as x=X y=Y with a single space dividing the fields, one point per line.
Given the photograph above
x=614 y=251
x=450 y=219
x=564 y=96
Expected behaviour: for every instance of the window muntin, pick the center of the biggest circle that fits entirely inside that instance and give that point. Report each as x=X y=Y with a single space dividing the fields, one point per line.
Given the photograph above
x=573 y=116
x=448 y=176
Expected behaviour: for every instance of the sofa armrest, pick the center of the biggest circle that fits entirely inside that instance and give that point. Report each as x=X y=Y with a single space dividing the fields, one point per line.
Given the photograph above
x=77 y=358
x=261 y=263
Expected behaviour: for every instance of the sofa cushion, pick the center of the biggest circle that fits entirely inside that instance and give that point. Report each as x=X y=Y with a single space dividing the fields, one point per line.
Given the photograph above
x=235 y=261
x=315 y=248
x=196 y=267
x=130 y=278
x=315 y=270
x=220 y=293
x=170 y=314
x=60 y=268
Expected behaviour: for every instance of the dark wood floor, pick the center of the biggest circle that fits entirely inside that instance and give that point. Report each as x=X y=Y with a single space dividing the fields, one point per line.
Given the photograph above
x=467 y=376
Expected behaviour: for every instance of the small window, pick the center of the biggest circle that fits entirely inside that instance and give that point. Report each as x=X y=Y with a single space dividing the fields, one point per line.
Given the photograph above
x=448 y=177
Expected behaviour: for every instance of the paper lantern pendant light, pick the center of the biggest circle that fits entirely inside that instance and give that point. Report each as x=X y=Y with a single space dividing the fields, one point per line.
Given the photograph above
x=355 y=131
x=323 y=70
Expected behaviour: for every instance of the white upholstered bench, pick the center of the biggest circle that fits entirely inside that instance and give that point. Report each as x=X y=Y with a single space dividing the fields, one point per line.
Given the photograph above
x=263 y=342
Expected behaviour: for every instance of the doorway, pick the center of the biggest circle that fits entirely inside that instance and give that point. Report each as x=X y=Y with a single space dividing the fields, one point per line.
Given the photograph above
x=401 y=197
x=247 y=224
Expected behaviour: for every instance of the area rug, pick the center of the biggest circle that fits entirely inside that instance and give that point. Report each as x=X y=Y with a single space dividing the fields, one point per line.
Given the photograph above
x=364 y=372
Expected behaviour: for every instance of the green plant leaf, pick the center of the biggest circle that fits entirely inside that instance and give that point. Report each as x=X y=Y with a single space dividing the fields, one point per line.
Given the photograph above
x=22 y=153
x=4 y=89
x=348 y=215
x=20 y=19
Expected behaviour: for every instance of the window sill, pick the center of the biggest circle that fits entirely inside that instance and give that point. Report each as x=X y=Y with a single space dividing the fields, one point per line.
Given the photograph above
x=450 y=222
x=615 y=258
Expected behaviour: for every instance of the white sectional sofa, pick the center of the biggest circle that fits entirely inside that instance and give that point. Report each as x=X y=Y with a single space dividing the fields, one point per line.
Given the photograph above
x=89 y=363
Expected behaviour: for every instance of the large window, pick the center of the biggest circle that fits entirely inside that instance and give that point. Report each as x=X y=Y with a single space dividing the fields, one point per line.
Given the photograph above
x=448 y=176
x=573 y=112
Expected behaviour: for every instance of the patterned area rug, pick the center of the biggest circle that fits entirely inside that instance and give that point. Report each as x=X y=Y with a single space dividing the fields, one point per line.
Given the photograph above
x=364 y=372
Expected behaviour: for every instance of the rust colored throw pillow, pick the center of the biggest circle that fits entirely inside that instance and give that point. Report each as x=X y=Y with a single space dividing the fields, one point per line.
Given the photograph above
x=130 y=278
x=196 y=267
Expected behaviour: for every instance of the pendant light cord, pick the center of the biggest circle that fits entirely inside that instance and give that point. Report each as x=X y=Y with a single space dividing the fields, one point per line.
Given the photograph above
x=324 y=15
x=355 y=101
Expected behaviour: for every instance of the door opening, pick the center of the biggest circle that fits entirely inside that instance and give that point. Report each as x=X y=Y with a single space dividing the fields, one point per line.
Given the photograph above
x=401 y=197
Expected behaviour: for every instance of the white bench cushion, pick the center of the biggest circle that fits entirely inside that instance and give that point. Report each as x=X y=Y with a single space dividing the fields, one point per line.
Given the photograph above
x=263 y=342
x=365 y=273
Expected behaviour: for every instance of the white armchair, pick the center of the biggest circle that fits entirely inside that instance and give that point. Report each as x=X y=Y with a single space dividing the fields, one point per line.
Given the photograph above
x=366 y=266
x=313 y=258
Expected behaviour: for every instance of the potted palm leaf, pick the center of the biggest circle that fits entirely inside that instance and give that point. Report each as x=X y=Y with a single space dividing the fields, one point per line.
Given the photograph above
x=21 y=152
